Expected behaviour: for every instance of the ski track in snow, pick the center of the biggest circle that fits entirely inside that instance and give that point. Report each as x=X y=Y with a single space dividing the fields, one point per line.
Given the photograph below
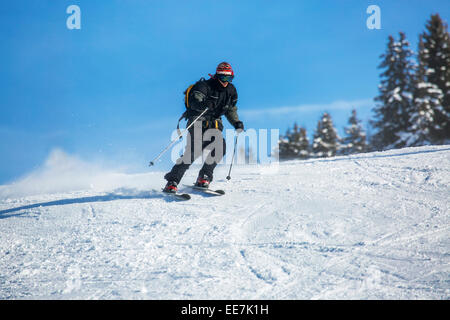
x=369 y=226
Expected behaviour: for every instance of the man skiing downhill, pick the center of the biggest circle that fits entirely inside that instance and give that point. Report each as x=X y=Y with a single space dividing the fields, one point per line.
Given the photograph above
x=218 y=97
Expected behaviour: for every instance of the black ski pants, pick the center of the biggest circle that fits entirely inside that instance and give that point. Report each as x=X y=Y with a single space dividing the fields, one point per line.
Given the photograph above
x=198 y=140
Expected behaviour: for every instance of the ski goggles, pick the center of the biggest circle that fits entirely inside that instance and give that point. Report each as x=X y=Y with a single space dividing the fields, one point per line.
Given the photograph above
x=224 y=77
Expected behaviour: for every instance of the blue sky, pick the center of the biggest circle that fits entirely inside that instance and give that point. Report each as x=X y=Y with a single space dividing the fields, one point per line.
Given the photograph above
x=112 y=91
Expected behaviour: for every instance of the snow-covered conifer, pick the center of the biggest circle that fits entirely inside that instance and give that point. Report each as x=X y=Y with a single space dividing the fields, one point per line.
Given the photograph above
x=395 y=98
x=355 y=139
x=326 y=140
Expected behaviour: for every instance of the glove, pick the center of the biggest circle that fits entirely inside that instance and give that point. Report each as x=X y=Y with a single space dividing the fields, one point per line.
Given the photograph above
x=239 y=126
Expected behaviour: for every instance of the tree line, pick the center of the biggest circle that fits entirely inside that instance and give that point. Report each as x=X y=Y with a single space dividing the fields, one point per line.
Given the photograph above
x=412 y=108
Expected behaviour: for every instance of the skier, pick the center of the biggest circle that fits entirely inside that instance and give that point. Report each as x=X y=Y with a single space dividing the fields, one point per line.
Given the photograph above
x=219 y=96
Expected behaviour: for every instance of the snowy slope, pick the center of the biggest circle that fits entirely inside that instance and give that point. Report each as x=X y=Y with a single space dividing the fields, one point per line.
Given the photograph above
x=369 y=226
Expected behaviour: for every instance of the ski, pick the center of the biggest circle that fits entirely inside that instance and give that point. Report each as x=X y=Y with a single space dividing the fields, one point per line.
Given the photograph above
x=179 y=196
x=207 y=190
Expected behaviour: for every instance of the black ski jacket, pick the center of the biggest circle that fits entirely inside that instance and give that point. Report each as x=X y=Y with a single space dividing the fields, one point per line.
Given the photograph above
x=218 y=99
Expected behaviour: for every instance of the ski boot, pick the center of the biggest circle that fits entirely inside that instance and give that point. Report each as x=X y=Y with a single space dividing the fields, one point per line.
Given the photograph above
x=171 y=187
x=202 y=182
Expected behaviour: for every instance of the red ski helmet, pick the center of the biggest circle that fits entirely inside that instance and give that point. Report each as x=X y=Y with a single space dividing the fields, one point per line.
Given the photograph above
x=224 y=72
x=225 y=69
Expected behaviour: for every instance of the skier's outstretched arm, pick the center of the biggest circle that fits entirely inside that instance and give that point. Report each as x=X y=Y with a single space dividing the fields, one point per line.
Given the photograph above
x=232 y=115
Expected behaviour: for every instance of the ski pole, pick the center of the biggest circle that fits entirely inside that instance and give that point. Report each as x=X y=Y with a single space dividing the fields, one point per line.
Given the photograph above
x=175 y=140
x=232 y=158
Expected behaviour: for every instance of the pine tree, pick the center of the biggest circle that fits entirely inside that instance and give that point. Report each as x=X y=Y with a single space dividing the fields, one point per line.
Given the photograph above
x=301 y=144
x=355 y=140
x=427 y=101
x=294 y=145
x=395 y=99
x=326 y=140
x=285 y=150
x=436 y=60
